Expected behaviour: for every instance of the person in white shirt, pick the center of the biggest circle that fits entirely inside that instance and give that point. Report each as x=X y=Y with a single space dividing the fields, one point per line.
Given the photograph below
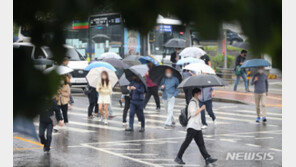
x=194 y=129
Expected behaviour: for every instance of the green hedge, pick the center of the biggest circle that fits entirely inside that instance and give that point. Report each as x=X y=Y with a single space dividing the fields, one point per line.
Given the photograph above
x=218 y=61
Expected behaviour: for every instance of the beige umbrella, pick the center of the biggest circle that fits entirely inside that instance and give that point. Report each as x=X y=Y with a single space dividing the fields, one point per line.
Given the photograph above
x=94 y=76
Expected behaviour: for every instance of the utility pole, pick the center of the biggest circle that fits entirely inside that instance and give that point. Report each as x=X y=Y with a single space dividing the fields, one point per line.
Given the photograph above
x=224 y=47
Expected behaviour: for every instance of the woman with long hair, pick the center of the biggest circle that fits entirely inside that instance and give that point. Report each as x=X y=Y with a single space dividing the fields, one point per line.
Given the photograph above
x=105 y=90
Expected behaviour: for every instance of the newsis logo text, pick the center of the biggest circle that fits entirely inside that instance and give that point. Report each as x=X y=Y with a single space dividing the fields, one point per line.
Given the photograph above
x=254 y=156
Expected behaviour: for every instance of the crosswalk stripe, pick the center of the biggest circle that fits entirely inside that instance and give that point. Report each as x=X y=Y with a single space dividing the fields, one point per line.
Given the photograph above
x=244 y=115
x=96 y=126
x=72 y=129
x=250 y=111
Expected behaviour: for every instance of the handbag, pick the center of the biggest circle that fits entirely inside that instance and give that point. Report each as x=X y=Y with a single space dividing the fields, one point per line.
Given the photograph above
x=238 y=70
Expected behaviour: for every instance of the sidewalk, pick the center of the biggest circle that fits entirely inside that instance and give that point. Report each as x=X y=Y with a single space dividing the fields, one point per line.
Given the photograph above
x=274 y=98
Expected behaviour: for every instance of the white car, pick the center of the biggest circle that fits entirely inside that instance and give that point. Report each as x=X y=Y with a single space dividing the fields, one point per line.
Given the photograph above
x=77 y=62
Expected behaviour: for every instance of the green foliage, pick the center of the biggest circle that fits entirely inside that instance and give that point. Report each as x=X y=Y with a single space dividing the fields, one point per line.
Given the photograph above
x=218 y=61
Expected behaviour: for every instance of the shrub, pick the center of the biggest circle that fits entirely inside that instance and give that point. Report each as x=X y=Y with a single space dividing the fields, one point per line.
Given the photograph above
x=218 y=62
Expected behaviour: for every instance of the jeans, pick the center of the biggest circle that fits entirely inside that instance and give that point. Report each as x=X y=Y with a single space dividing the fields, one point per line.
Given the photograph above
x=93 y=103
x=152 y=91
x=136 y=107
x=169 y=109
x=260 y=102
x=198 y=137
x=244 y=76
x=64 y=109
x=45 y=141
x=209 y=108
x=127 y=101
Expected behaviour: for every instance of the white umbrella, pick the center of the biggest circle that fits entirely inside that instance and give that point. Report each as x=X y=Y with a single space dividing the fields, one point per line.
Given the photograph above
x=109 y=55
x=200 y=68
x=61 y=70
x=94 y=76
x=192 y=52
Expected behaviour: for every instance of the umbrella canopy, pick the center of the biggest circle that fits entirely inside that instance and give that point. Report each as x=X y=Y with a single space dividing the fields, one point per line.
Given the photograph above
x=192 y=52
x=109 y=55
x=116 y=63
x=61 y=70
x=132 y=60
x=158 y=72
x=147 y=59
x=99 y=38
x=256 y=63
x=199 y=68
x=129 y=73
x=94 y=76
x=175 y=43
x=189 y=60
x=142 y=69
x=99 y=64
x=202 y=81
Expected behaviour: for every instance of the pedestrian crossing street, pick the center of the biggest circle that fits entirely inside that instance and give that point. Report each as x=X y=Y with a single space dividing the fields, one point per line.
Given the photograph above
x=236 y=126
x=155 y=120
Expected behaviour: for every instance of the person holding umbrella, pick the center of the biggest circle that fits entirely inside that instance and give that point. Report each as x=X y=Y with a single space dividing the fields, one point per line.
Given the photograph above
x=152 y=89
x=239 y=72
x=137 y=89
x=260 y=82
x=206 y=99
x=105 y=90
x=169 y=86
x=175 y=56
x=64 y=97
x=194 y=130
x=92 y=95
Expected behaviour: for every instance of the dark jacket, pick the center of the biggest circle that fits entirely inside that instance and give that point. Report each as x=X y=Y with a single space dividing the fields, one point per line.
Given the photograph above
x=53 y=109
x=173 y=57
x=138 y=94
x=239 y=59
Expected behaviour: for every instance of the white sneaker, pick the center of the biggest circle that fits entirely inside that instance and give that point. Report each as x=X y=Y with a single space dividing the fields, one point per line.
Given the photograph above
x=100 y=119
x=215 y=123
x=124 y=124
x=204 y=127
x=106 y=122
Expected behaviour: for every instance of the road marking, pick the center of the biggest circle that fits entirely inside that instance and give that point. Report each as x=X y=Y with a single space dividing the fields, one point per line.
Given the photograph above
x=229 y=140
x=72 y=129
x=248 y=94
x=123 y=149
x=140 y=154
x=263 y=138
x=97 y=126
x=175 y=164
x=252 y=145
x=149 y=159
x=245 y=115
x=27 y=140
x=26 y=148
x=274 y=149
x=236 y=135
x=122 y=156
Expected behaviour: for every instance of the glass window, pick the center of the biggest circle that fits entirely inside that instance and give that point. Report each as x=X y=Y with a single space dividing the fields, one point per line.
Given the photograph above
x=78 y=38
x=161 y=34
x=72 y=53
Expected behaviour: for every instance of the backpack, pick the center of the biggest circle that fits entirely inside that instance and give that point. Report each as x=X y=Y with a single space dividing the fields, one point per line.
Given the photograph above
x=183 y=117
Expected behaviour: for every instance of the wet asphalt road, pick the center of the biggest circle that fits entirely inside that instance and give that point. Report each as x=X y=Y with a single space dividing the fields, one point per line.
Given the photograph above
x=90 y=143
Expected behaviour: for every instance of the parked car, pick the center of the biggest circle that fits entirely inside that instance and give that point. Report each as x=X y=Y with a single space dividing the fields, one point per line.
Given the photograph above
x=77 y=62
x=233 y=37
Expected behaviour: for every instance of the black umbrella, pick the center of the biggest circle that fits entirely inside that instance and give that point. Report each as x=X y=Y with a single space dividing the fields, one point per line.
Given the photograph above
x=175 y=43
x=202 y=81
x=130 y=72
x=158 y=72
x=116 y=63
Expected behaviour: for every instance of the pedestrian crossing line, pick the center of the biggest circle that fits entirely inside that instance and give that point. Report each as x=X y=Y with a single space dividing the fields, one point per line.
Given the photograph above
x=97 y=126
x=235 y=135
x=255 y=132
x=123 y=149
x=225 y=107
x=252 y=145
x=27 y=140
x=122 y=156
x=177 y=165
x=274 y=149
x=140 y=154
x=72 y=129
x=263 y=138
x=155 y=159
x=161 y=142
x=254 y=112
x=228 y=140
x=244 y=115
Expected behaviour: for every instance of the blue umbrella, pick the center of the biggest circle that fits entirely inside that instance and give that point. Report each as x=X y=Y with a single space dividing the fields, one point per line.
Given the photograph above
x=189 y=60
x=147 y=59
x=256 y=63
x=99 y=64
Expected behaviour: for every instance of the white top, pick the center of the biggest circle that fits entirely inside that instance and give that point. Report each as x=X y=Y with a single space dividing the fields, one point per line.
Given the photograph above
x=195 y=120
